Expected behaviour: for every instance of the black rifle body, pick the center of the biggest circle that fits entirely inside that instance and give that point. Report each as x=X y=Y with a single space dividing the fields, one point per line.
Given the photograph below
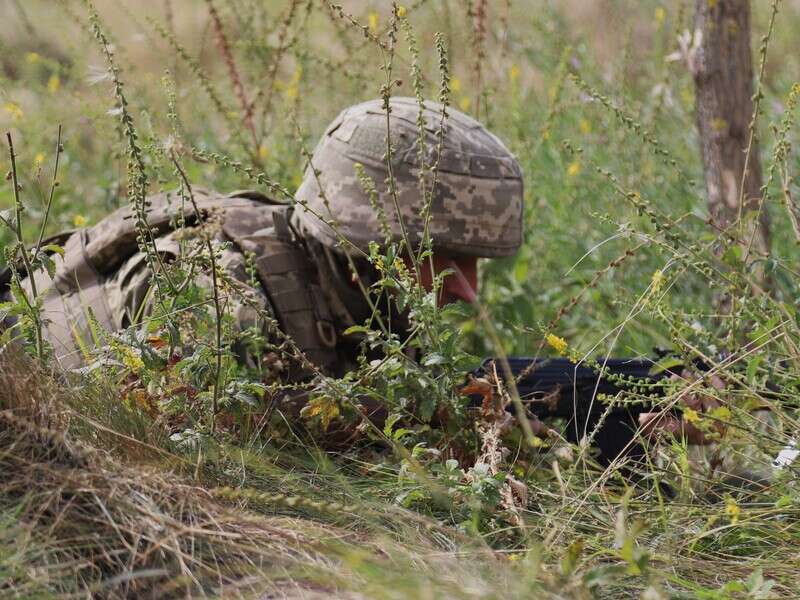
x=557 y=387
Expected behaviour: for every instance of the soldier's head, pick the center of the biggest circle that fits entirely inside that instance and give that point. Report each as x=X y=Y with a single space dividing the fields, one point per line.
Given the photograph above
x=474 y=211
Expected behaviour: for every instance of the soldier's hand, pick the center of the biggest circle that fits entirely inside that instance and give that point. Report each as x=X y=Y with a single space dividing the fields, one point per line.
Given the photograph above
x=654 y=424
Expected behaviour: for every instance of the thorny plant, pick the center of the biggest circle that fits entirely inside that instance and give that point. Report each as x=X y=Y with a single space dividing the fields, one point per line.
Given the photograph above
x=181 y=365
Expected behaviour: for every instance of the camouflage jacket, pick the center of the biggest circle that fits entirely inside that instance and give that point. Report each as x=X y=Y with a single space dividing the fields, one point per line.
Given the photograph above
x=283 y=285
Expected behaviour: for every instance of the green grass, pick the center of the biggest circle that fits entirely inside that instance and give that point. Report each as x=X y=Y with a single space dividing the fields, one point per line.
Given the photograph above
x=368 y=519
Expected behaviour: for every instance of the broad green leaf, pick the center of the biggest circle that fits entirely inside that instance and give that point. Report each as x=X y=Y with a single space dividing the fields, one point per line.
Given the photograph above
x=665 y=364
x=55 y=249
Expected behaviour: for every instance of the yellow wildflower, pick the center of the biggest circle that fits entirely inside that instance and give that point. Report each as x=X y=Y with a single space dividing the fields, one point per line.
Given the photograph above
x=54 y=83
x=585 y=127
x=14 y=110
x=690 y=415
x=263 y=152
x=38 y=159
x=79 y=221
x=546 y=134
x=293 y=89
x=32 y=58
x=732 y=510
x=722 y=413
x=558 y=344
x=455 y=85
x=464 y=103
x=513 y=73
x=401 y=11
x=132 y=360
x=574 y=168
x=373 y=21
x=660 y=15
x=514 y=557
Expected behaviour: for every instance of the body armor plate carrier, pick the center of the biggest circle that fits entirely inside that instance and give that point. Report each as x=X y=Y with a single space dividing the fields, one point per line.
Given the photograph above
x=252 y=222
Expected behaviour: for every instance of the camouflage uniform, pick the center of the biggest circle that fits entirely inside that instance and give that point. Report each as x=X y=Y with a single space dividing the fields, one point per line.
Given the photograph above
x=475 y=210
x=103 y=271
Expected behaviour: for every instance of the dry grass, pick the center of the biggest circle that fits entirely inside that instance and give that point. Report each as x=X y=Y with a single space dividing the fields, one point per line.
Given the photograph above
x=76 y=520
x=83 y=521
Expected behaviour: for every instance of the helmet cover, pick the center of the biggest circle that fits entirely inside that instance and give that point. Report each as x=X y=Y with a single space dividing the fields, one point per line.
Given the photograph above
x=475 y=210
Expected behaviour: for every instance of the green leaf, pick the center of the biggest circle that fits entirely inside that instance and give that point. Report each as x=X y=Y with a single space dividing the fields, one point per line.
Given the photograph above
x=433 y=359
x=665 y=364
x=399 y=434
x=784 y=501
x=752 y=368
x=12 y=309
x=570 y=559
x=733 y=255
x=356 y=329
x=763 y=332
x=521 y=271
x=6 y=336
x=55 y=249
x=48 y=264
x=390 y=421
x=426 y=408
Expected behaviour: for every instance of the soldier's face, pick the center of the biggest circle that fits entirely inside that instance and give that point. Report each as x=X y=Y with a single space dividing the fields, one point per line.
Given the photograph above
x=461 y=284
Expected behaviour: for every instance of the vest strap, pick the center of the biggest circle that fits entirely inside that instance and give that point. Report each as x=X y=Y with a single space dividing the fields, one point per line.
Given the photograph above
x=291 y=282
x=293 y=300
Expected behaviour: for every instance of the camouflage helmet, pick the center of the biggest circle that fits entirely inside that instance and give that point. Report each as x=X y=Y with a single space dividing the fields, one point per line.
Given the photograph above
x=477 y=207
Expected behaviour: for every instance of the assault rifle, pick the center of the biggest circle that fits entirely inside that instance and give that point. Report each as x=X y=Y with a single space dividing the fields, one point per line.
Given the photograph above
x=558 y=387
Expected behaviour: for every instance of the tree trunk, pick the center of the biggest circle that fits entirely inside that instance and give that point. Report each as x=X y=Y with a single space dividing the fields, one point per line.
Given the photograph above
x=722 y=67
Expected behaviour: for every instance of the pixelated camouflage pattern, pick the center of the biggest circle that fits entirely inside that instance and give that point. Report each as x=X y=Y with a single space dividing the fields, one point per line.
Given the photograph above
x=103 y=282
x=477 y=206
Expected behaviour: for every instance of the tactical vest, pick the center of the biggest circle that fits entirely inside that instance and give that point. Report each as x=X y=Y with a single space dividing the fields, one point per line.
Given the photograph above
x=251 y=221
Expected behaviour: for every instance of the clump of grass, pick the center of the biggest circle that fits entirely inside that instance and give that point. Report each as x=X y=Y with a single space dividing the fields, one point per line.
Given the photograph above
x=93 y=525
